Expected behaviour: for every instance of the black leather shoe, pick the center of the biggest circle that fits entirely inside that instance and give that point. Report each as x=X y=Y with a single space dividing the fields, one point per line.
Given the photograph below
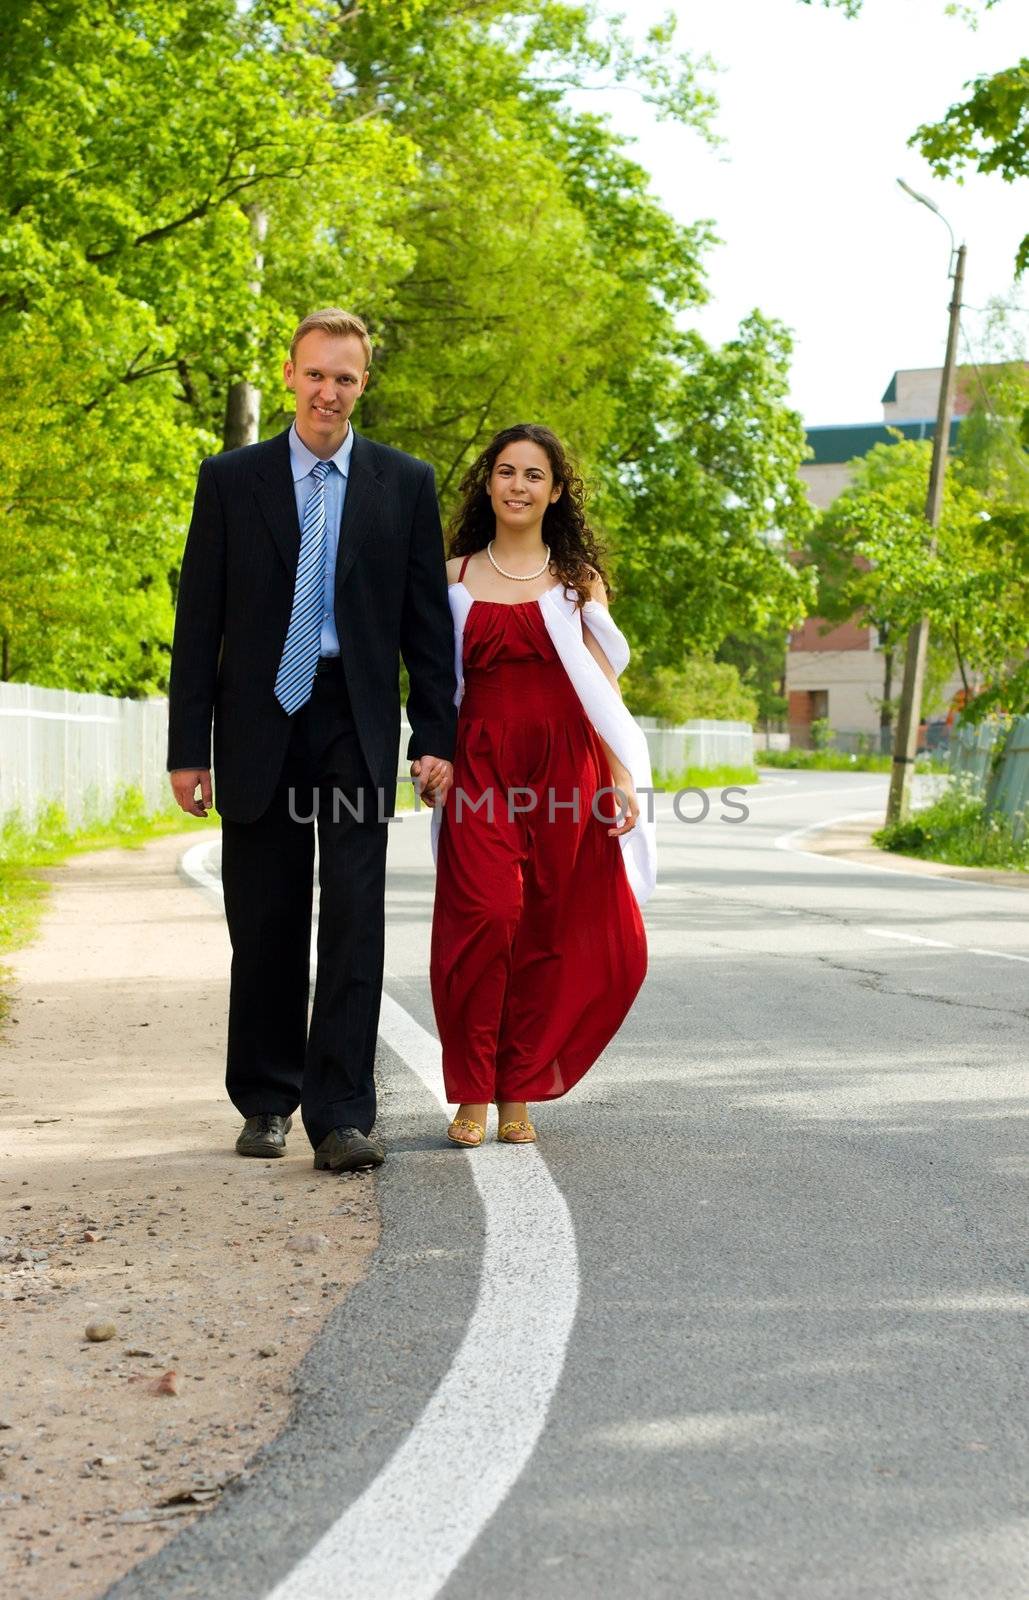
x=348 y=1150
x=264 y=1135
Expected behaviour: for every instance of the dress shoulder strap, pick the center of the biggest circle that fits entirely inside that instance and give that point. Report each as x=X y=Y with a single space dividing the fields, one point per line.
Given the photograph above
x=460 y=576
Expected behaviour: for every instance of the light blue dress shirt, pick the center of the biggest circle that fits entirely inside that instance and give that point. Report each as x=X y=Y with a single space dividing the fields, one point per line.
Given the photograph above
x=303 y=462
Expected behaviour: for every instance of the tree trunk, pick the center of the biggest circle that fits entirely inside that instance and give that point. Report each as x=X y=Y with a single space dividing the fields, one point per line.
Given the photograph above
x=243 y=402
x=961 y=662
x=242 y=415
x=886 y=708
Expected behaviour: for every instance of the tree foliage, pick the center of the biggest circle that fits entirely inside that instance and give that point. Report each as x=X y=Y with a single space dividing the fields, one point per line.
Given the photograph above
x=216 y=170
x=876 y=559
x=701 y=687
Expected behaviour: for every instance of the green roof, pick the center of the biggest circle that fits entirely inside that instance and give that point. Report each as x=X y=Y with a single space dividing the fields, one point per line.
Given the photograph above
x=839 y=442
x=891 y=391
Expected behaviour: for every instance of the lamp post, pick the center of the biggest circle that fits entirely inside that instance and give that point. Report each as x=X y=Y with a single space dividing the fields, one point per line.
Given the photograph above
x=909 y=713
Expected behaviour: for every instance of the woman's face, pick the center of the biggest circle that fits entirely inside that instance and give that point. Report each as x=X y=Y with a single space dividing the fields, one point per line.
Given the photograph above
x=521 y=486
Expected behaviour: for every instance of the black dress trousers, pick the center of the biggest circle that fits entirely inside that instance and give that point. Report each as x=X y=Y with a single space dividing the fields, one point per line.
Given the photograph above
x=276 y=1060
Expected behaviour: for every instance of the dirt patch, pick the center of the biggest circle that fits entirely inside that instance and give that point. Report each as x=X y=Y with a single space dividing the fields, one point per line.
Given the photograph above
x=124 y=1208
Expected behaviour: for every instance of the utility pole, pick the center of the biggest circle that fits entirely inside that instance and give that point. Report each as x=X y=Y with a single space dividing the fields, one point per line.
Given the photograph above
x=909 y=713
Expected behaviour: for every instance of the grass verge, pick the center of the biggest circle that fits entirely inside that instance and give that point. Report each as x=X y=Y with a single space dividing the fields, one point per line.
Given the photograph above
x=705 y=777
x=956 y=829
x=839 y=761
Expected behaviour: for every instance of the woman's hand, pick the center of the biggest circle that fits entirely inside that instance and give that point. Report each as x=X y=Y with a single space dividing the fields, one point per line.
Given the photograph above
x=628 y=802
x=433 y=778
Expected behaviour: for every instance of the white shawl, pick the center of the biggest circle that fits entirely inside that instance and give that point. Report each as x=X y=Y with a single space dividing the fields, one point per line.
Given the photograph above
x=602 y=704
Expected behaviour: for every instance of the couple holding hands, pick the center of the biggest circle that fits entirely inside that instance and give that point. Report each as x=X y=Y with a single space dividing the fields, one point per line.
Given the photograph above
x=314 y=562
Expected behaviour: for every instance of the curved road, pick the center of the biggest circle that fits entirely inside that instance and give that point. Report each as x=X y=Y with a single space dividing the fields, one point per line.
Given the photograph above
x=766 y=1337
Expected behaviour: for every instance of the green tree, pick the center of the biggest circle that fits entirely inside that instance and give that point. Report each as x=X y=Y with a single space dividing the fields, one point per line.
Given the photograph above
x=699 y=687
x=535 y=240
x=218 y=169
x=760 y=660
x=127 y=303
x=875 y=559
x=702 y=497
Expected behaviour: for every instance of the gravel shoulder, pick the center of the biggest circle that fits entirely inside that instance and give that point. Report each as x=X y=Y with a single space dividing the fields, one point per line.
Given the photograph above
x=124 y=1207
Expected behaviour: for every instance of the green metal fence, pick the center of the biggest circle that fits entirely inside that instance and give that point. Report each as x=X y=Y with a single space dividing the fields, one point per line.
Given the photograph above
x=1008 y=788
x=971 y=749
x=1003 y=781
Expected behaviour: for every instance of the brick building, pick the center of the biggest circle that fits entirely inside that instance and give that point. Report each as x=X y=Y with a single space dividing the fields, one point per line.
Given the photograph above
x=838 y=674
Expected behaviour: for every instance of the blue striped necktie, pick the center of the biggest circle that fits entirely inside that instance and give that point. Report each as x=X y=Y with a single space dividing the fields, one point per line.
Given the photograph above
x=295 y=678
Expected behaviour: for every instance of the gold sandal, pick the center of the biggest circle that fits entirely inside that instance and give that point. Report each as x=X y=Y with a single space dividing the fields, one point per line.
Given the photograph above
x=472 y=1126
x=521 y=1126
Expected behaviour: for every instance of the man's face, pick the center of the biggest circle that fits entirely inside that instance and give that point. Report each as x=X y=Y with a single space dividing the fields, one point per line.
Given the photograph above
x=327 y=377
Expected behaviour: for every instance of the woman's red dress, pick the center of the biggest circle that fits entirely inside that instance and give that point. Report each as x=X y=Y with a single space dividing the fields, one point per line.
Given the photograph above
x=538 y=946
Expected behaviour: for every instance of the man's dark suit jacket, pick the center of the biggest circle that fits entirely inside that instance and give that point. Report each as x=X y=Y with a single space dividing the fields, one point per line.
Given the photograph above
x=234 y=603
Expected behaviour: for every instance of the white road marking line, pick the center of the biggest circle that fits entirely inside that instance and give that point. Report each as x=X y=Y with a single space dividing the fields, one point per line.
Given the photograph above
x=943 y=944
x=817 y=794
x=785 y=841
x=196 y=865
x=403 y=1536
x=909 y=938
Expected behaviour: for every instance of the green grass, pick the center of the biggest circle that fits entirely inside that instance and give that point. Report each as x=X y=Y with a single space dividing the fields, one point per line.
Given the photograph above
x=839 y=761
x=25 y=850
x=955 y=829
x=704 y=777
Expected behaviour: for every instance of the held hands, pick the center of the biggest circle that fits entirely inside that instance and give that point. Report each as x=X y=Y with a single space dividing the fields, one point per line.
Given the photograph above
x=184 y=784
x=433 y=779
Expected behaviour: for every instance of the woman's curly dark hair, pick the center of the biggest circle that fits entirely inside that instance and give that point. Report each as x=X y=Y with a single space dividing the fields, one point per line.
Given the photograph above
x=574 y=556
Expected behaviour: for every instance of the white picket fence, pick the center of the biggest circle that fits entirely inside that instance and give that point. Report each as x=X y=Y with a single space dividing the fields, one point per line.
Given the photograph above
x=78 y=750
x=81 y=749
x=704 y=743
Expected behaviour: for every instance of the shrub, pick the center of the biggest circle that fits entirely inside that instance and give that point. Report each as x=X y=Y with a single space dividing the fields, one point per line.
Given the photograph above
x=701 y=687
x=957 y=829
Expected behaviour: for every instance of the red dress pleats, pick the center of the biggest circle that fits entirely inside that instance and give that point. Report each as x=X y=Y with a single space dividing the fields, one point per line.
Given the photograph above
x=538 y=945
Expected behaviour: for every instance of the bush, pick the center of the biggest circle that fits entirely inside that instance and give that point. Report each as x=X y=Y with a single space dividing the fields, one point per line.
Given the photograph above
x=701 y=687
x=956 y=828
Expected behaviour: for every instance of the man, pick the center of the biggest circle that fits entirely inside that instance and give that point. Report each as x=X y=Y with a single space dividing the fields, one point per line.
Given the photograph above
x=312 y=558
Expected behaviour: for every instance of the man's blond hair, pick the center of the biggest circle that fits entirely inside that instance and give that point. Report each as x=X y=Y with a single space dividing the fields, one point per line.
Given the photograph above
x=333 y=320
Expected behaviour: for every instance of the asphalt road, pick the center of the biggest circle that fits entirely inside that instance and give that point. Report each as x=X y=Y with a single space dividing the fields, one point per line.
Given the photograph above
x=796 y=1188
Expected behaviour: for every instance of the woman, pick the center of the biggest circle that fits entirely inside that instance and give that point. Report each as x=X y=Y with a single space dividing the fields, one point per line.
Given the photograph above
x=538 y=948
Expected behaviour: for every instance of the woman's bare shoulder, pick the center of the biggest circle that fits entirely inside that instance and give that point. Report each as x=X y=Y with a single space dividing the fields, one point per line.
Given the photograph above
x=454 y=568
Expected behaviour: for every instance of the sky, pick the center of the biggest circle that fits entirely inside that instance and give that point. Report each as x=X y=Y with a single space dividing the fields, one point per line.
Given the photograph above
x=816 y=112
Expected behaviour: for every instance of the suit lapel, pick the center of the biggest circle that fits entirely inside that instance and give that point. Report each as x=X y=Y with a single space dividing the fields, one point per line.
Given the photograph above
x=364 y=489
x=277 y=499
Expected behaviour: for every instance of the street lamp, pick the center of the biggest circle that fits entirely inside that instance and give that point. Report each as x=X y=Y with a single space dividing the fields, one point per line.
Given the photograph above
x=909 y=714
x=924 y=200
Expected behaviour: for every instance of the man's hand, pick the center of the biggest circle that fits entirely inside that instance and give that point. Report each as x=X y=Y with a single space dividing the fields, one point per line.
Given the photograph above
x=185 y=782
x=433 y=778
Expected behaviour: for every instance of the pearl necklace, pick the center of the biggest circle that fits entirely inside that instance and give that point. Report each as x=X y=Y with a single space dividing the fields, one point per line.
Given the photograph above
x=518 y=577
